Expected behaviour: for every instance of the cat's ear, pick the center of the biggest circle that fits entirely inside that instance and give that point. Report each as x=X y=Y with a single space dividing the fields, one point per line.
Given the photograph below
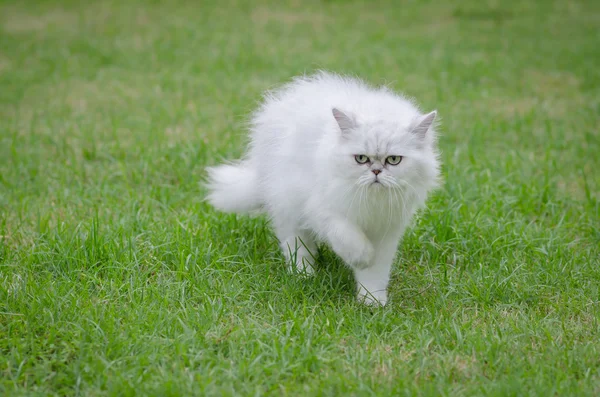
x=423 y=124
x=345 y=121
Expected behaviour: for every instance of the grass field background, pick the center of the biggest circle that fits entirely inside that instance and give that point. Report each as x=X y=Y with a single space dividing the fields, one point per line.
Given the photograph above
x=116 y=278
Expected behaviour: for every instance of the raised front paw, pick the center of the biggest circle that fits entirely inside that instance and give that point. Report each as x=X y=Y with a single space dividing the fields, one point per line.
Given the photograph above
x=350 y=243
x=358 y=254
x=363 y=256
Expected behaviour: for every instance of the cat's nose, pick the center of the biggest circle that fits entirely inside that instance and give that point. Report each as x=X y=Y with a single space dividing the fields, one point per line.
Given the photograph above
x=376 y=172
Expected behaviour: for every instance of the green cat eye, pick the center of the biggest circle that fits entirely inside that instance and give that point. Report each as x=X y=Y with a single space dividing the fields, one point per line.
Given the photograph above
x=361 y=159
x=393 y=160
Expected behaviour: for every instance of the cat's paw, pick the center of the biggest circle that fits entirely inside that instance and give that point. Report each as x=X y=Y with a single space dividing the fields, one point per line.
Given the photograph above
x=357 y=253
x=351 y=245
x=374 y=298
x=361 y=256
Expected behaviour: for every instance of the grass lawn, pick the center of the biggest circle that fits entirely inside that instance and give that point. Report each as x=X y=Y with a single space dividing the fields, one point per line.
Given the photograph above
x=117 y=279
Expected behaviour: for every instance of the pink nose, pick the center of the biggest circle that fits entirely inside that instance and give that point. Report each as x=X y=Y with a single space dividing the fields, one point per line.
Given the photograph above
x=376 y=172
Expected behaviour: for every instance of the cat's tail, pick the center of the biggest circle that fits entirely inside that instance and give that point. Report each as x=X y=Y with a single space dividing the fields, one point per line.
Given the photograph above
x=233 y=188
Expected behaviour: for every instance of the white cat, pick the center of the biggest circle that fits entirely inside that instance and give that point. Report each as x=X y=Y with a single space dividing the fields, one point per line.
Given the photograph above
x=333 y=160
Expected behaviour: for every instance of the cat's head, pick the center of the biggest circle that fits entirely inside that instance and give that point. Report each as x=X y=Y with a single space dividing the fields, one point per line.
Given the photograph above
x=387 y=155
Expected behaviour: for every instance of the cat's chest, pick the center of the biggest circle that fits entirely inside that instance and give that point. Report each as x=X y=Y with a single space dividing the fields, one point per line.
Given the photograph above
x=376 y=217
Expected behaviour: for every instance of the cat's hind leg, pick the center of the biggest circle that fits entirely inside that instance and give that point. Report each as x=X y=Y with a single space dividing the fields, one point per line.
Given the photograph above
x=297 y=244
x=300 y=250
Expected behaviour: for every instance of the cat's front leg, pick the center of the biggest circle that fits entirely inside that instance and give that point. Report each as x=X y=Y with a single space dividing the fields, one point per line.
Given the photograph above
x=348 y=241
x=372 y=281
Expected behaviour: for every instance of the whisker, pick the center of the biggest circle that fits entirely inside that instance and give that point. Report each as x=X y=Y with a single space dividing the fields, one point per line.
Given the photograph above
x=356 y=190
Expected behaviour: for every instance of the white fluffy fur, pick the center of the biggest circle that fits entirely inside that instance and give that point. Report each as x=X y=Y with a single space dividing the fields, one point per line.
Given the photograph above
x=301 y=169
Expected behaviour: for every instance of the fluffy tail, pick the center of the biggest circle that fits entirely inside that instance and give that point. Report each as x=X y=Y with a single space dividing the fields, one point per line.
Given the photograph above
x=233 y=188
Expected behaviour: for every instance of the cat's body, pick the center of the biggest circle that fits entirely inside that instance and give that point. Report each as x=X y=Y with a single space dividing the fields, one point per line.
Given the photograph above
x=333 y=160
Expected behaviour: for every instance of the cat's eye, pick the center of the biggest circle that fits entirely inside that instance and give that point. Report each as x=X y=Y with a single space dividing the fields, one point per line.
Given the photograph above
x=361 y=159
x=393 y=160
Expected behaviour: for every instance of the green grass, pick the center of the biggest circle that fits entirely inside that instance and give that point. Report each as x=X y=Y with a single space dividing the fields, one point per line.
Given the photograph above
x=117 y=279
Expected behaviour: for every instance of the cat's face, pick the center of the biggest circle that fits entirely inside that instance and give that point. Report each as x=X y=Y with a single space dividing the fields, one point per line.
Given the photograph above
x=386 y=156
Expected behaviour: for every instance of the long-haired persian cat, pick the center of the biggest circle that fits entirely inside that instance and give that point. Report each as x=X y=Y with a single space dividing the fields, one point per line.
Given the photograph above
x=334 y=160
